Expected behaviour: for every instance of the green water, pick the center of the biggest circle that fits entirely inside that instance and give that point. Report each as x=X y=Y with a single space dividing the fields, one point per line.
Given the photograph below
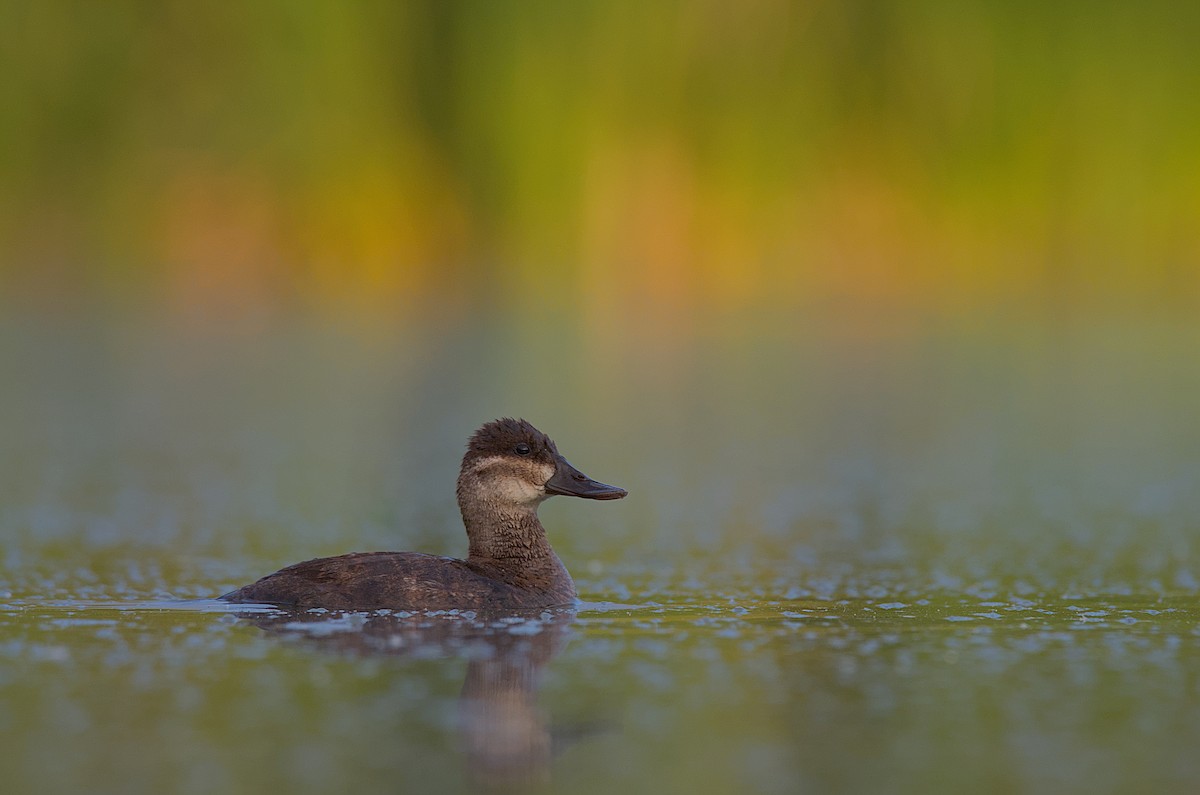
x=952 y=694
x=954 y=563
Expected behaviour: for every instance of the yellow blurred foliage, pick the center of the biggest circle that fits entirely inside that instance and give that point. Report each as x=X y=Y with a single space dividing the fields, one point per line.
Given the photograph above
x=665 y=158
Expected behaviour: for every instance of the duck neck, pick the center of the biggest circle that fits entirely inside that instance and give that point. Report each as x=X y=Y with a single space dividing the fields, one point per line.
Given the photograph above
x=508 y=538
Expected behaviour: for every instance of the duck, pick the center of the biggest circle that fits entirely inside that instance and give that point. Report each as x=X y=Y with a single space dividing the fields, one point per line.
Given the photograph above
x=509 y=469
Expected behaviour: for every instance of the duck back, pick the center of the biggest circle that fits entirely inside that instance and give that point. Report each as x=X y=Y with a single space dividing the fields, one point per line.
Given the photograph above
x=396 y=580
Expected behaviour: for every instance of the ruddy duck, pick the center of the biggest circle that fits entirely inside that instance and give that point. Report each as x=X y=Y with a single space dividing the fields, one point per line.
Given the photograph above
x=509 y=469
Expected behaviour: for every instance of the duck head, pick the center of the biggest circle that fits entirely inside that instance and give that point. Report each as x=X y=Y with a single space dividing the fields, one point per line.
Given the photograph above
x=511 y=462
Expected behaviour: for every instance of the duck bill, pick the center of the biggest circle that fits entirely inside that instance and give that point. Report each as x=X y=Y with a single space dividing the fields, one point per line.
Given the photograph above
x=570 y=482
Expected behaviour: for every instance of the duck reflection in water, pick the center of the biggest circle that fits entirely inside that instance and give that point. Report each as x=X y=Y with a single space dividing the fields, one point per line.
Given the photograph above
x=506 y=739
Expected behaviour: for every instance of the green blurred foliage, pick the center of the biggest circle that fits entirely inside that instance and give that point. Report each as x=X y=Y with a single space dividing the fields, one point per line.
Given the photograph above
x=904 y=155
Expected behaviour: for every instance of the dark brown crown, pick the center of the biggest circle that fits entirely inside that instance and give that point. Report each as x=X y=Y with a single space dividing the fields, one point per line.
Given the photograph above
x=502 y=436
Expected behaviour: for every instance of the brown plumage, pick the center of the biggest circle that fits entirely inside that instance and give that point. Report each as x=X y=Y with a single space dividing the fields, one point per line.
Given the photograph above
x=509 y=469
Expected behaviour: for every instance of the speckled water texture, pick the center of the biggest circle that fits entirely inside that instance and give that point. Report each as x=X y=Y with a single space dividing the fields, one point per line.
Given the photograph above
x=961 y=563
x=937 y=693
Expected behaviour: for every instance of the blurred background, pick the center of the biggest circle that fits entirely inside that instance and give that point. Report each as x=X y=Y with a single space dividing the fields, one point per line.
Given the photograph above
x=901 y=287
x=901 y=159
x=884 y=312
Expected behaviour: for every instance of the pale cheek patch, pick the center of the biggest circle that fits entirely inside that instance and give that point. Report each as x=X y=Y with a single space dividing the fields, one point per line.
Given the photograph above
x=482 y=464
x=517 y=489
x=507 y=480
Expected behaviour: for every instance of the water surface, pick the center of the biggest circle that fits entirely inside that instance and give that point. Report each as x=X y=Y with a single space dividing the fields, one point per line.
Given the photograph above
x=940 y=562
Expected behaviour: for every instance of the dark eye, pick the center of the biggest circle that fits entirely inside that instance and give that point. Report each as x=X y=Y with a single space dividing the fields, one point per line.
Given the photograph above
x=522 y=449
